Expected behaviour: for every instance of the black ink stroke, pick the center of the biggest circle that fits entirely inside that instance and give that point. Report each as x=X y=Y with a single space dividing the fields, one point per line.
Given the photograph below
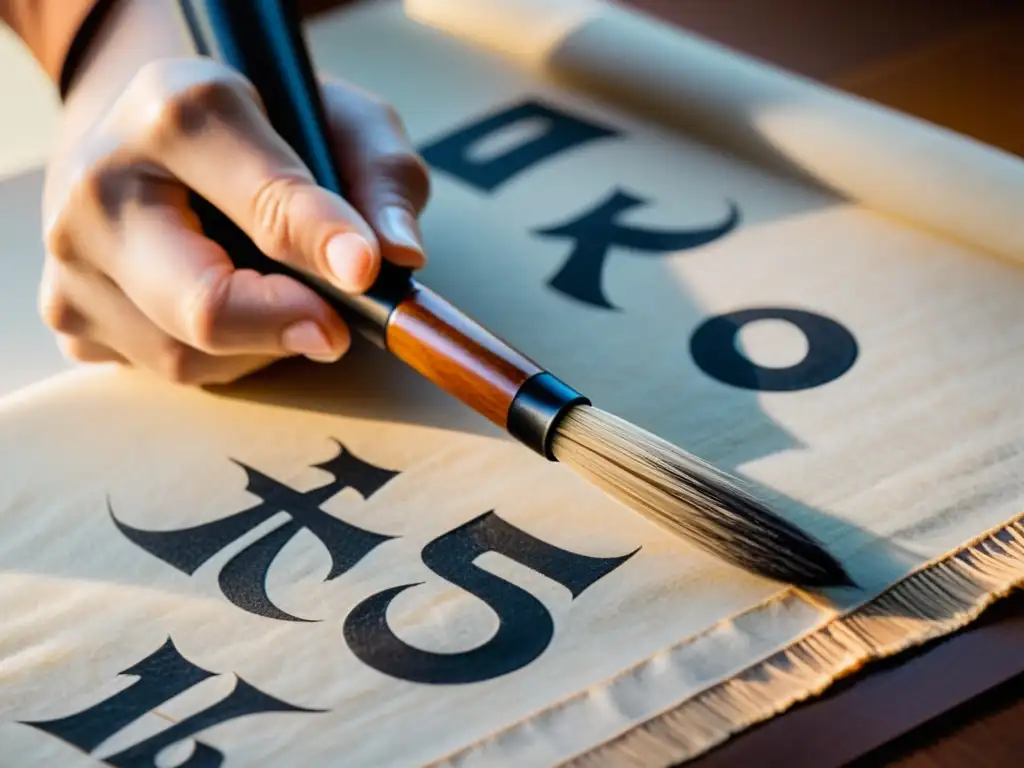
x=525 y=627
x=831 y=351
x=243 y=578
x=596 y=232
x=561 y=132
x=162 y=675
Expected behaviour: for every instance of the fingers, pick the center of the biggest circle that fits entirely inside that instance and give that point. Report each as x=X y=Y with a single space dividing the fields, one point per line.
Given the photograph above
x=188 y=287
x=85 y=351
x=184 y=283
x=136 y=280
x=117 y=331
x=69 y=323
x=384 y=178
x=205 y=127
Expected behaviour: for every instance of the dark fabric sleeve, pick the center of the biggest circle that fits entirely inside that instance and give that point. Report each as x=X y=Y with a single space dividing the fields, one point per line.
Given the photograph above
x=56 y=32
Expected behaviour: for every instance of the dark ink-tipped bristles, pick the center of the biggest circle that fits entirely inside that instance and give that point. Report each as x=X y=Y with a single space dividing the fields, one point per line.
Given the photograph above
x=690 y=497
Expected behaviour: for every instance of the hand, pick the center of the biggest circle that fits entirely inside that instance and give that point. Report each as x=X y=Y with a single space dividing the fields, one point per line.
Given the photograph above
x=129 y=275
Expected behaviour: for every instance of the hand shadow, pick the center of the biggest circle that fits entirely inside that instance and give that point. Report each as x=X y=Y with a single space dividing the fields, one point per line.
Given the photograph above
x=370 y=384
x=367 y=383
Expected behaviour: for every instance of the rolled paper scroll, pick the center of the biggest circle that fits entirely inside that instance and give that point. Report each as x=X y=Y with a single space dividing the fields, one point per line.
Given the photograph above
x=884 y=159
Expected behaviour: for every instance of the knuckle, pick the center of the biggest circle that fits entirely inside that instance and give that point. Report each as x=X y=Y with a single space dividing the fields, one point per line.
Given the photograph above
x=107 y=188
x=90 y=184
x=172 y=109
x=78 y=176
x=57 y=239
x=54 y=306
x=269 y=208
x=98 y=186
x=202 y=311
x=59 y=314
x=174 y=361
x=71 y=348
x=152 y=77
x=81 y=186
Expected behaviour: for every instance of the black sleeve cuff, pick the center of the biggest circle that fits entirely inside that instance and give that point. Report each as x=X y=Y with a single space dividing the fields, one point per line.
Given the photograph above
x=87 y=31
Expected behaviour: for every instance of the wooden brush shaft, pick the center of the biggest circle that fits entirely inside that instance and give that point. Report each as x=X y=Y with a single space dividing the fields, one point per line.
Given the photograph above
x=263 y=40
x=458 y=354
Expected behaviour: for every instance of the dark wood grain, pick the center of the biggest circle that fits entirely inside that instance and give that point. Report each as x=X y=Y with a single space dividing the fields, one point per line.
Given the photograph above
x=984 y=732
x=457 y=354
x=824 y=40
x=889 y=700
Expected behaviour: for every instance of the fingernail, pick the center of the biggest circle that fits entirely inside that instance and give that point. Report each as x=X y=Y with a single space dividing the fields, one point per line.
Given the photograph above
x=305 y=338
x=349 y=258
x=402 y=229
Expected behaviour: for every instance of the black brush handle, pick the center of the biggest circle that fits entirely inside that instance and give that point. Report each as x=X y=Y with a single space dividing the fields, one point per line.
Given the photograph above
x=263 y=40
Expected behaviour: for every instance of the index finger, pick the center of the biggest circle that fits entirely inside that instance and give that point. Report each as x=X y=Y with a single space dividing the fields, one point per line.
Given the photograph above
x=209 y=131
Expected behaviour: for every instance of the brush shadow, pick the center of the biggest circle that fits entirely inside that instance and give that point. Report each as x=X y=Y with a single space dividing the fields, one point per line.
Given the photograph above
x=595 y=349
x=872 y=561
x=366 y=383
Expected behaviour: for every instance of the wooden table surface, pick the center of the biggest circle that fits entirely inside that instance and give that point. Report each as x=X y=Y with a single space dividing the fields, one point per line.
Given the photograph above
x=960 y=700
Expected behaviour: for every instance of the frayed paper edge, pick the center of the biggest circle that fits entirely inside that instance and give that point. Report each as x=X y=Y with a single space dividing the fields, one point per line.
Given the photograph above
x=923 y=606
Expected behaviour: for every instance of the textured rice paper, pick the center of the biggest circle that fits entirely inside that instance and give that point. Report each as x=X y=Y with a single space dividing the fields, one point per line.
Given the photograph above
x=27 y=132
x=548 y=623
x=888 y=160
x=27 y=349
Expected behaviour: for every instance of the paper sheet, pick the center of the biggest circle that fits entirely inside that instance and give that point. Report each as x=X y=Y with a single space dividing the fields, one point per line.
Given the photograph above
x=372 y=575
x=890 y=161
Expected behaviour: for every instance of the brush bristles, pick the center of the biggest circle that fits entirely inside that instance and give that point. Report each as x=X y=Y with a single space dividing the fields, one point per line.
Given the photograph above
x=689 y=497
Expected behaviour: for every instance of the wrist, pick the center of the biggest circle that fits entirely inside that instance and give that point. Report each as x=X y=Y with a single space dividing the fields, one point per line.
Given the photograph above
x=129 y=34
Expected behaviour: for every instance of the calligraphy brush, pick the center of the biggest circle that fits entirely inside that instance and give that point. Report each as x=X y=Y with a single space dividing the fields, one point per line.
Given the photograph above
x=262 y=39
